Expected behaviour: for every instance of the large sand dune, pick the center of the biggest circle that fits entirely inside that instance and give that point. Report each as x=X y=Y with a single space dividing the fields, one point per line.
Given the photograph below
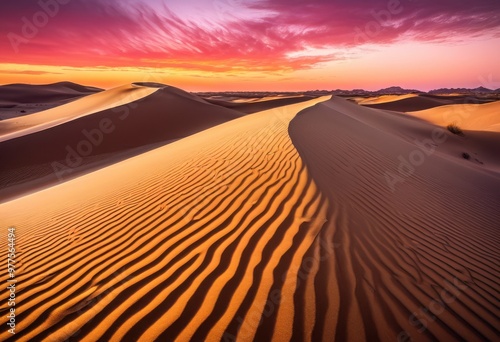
x=183 y=242
x=419 y=244
x=94 y=131
x=21 y=99
x=315 y=221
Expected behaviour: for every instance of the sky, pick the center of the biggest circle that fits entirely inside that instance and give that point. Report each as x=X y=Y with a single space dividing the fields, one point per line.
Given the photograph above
x=245 y=45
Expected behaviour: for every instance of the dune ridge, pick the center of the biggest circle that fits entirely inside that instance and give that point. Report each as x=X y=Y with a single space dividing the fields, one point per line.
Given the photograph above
x=384 y=99
x=190 y=241
x=254 y=105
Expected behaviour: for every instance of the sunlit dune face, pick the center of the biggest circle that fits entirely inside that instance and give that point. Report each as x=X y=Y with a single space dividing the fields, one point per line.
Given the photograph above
x=234 y=44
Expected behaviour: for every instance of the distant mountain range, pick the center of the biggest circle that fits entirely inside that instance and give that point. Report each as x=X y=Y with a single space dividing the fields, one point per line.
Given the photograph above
x=401 y=91
x=385 y=91
x=479 y=90
x=68 y=89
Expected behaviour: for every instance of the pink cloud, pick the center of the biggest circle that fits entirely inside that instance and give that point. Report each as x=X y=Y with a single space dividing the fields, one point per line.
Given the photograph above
x=131 y=33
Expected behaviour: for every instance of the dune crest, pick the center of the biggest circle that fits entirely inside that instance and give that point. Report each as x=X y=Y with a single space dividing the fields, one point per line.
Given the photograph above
x=16 y=127
x=250 y=106
x=384 y=99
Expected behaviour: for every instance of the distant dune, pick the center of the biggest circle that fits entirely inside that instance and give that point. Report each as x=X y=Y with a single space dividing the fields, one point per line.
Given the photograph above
x=88 y=105
x=249 y=106
x=405 y=103
x=27 y=93
x=312 y=220
x=21 y=99
x=384 y=99
x=479 y=117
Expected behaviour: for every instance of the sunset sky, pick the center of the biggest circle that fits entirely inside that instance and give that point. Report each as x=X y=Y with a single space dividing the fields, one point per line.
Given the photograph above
x=203 y=45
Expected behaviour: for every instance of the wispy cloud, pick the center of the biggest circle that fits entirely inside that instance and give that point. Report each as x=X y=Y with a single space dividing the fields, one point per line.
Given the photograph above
x=28 y=72
x=277 y=36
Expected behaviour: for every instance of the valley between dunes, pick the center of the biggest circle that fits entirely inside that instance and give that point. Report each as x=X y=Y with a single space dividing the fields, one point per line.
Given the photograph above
x=314 y=220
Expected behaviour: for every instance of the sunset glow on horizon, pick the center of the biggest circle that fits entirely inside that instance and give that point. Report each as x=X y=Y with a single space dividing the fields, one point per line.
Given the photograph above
x=246 y=45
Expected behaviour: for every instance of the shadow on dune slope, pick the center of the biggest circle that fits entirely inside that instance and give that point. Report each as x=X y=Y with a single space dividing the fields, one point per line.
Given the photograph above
x=91 y=141
x=417 y=225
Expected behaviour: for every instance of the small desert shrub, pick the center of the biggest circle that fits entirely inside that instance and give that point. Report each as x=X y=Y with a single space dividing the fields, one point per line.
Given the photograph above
x=453 y=128
x=465 y=155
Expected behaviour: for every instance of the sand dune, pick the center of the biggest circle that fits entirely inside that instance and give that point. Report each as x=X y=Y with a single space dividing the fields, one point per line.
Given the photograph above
x=418 y=257
x=317 y=221
x=183 y=242
x=254 y=105
x=27 y=93
x=29 y=124
x=22 y=99
x=476 y=117
x=266 y=98
x=421 y=102
x=95 y=131
x=384 y=99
